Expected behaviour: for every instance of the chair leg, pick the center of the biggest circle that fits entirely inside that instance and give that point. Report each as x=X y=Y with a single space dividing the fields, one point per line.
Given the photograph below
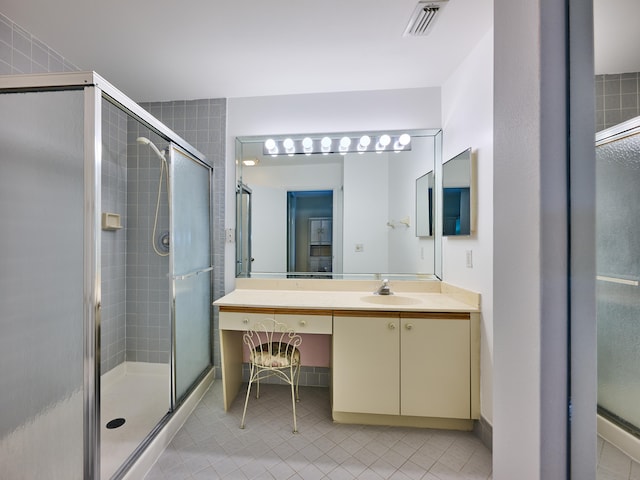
x=246 y=399
x=293 y=403
x=297 y=383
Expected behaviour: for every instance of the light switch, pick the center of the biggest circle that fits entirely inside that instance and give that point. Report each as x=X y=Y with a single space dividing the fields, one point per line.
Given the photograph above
x=469 y=258
x=230 y=235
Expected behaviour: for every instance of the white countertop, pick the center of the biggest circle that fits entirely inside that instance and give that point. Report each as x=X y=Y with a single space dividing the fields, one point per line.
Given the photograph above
x=452 y=299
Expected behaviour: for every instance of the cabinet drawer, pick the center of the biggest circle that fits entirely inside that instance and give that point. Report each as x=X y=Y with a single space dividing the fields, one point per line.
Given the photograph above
x=242 y=320
x=307 y=322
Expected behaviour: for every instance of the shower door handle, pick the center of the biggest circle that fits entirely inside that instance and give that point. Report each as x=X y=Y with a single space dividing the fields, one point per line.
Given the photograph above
x=192 y=273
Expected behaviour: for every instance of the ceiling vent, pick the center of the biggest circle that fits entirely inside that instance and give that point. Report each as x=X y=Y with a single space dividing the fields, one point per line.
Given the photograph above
x=423 y=17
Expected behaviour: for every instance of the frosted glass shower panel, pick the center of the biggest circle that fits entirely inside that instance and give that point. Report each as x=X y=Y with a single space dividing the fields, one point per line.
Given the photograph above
x=618 y=266
x=42 y=284
x=190 y=215
x=191 y=245
x=193 y=331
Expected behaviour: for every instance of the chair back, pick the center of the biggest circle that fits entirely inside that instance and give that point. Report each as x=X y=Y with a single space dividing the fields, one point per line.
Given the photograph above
x=272 y=344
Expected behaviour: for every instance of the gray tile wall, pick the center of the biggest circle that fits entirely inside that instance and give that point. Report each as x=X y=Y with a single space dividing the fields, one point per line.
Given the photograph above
x=617 y=99
x=114 y=243
x=21 y=52
x=148 y=305
x=202 y=123
x=309 y=376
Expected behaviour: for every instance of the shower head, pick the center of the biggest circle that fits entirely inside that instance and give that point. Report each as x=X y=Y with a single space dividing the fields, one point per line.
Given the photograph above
x=146 y=141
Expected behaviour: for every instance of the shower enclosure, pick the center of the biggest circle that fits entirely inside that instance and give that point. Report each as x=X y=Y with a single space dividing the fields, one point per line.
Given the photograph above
x=618 y=285
x=105 y=305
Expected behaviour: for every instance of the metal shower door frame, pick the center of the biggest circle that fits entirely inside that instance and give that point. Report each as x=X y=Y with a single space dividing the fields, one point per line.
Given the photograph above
x=174 y=276
x=95 y=89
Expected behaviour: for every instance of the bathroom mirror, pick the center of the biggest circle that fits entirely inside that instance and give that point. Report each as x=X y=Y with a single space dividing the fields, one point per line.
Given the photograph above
x=424 y=205
x=336 y=214
x=458 y=210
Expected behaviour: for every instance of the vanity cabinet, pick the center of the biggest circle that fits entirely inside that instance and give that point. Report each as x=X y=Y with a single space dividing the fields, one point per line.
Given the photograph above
x=411 y=364
x=435 y=378
x=389 y=366
x=366 y=363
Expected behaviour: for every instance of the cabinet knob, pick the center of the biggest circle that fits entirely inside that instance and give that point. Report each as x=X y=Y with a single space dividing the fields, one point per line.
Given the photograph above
x=303 y=323
x=409 y=326
x=392 y=326
x=245 y=320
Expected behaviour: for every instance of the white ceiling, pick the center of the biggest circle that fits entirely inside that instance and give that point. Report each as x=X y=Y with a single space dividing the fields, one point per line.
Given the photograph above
x=158 y=50
x=617 y=36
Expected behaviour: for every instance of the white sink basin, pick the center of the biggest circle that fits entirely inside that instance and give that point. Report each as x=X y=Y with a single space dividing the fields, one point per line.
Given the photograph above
x=390 y=300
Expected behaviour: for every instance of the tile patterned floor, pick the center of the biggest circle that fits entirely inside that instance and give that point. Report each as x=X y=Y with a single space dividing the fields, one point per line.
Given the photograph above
x=615 y=465
x=211 y=445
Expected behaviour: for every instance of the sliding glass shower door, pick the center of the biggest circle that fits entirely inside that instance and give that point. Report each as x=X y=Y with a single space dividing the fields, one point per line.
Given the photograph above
x=618 y=266
x=191 y=269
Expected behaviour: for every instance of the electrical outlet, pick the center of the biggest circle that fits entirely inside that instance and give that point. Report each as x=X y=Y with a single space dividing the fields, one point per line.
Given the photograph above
x=230 y=235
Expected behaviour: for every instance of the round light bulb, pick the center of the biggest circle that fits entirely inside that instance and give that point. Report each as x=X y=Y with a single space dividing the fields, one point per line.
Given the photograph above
x=325 y=145
x=270 y=144
x=365 y=140
x=384 y=140
x=404 y=139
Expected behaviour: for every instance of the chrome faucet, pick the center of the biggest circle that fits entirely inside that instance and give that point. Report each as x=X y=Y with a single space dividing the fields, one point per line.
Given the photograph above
x=384 y=289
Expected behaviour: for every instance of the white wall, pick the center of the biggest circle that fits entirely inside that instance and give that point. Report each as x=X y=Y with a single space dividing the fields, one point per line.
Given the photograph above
x=268 y=228
x=366 y=212
x=408 y=253
x=328 y=112
x=467 y=120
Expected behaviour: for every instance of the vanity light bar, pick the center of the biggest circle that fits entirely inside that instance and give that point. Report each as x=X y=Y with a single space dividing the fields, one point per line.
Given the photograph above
x=325 y=144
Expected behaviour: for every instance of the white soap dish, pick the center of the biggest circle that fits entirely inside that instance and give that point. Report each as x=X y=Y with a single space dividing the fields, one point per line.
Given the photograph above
x=111 y=221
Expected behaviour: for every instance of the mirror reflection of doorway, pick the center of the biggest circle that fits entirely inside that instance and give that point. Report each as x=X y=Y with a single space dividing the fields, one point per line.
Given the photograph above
x=243 y=242
x=310 y=232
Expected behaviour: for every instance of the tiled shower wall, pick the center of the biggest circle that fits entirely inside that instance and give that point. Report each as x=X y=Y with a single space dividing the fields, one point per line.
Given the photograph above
x=148 y=331
x=617 y=99
x=114 y=242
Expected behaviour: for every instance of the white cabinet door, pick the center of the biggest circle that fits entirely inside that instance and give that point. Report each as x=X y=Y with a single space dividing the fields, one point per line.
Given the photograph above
x=366 y=364
x=435 y=358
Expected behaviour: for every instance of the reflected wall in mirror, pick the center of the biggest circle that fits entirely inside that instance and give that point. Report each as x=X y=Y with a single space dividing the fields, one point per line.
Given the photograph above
x=458 y=209
x=424 y=205
x=370 y=218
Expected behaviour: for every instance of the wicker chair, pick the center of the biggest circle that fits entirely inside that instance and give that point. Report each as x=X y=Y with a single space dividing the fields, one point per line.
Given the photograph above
x=273 y=351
